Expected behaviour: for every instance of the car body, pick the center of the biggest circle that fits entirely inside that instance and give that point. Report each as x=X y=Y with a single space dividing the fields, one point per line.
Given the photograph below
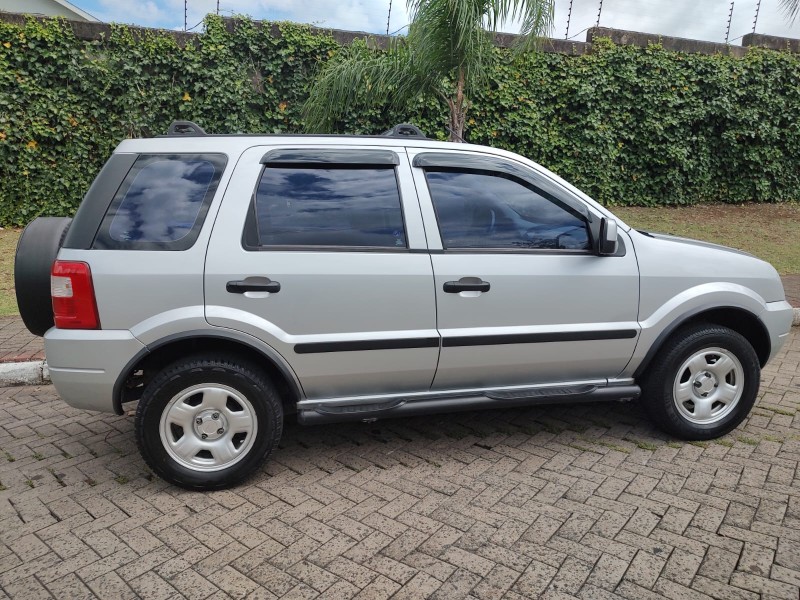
x=374 y=276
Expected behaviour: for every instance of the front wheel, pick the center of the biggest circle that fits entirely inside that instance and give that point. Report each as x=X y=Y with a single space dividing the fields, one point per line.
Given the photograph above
x=207 y=423
x=702 y=383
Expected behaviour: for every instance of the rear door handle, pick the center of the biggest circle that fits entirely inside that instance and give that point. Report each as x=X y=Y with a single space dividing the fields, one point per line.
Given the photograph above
x=241 y=286
x=456 y=287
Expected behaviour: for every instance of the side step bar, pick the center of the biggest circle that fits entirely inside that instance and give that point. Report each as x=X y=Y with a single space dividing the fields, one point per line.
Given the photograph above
x=443 y=403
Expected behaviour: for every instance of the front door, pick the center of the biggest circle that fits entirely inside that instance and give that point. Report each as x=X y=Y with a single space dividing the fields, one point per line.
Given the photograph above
x=313 y=253
x=521 y=297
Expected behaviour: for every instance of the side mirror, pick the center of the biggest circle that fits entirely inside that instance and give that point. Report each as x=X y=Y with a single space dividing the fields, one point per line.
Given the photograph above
x=607 y=244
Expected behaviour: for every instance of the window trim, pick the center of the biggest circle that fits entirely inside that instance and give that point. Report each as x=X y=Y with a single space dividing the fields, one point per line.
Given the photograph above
x=251 y=220
x=102 y=239
x=527 y=183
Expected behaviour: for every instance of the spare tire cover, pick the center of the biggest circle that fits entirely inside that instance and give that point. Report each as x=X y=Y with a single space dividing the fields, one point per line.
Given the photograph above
x=36 y=250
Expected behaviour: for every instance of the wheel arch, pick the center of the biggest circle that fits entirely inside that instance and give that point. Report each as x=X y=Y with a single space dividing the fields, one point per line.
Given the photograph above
x=738 y=319
x=143 y=367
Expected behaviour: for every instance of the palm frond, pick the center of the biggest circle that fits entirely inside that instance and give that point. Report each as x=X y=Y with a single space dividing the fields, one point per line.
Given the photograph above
x=359 y=73
x=790 y=8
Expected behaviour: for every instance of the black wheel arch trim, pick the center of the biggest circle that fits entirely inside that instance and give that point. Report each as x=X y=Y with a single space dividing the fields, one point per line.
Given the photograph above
x=680 y=322
x=268 y=352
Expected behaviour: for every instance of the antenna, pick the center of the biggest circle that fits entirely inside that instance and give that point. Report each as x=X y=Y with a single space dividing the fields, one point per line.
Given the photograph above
x=217 y=7
x=600 y=10
x=728 y=30
x=569 y=17
x=185 y=14
x=755 y=21
x=389 y=18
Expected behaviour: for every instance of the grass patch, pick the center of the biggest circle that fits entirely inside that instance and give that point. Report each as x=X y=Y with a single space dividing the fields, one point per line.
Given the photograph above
x=778 y=411
x=699 y=444
x=642 y=445
x=748 y=440
x=38 y=456
x=724 y=442
x=772 y=438
x=764 y=230
x=9 y=457
x=121 y=479
x=676 y=445
x=8 y=247
x=611 y=446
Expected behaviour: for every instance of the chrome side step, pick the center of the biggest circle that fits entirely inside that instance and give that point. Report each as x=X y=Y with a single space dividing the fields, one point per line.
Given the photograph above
x=444 y=403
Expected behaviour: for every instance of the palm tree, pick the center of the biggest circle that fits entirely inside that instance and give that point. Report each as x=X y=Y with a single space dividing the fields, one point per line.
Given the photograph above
x=447 y=52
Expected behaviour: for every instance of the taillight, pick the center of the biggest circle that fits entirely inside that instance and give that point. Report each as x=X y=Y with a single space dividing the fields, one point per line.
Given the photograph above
x=71 y=289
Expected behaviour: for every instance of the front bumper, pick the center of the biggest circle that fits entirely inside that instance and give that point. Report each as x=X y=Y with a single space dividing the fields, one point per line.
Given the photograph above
x=84 y=365
x=778 y=320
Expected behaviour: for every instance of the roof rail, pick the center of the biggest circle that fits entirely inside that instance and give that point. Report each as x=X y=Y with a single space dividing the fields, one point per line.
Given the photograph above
x=405 y=130
x=185 y=128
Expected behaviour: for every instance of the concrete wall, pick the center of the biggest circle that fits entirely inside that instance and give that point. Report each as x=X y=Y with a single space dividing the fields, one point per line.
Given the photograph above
x=95 y=31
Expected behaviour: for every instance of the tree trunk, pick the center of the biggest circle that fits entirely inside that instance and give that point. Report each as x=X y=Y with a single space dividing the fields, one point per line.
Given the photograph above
x=458 y=110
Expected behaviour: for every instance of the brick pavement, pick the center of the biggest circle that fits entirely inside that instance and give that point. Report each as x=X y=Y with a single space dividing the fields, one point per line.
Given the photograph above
x=581 y=501
x=17 y=344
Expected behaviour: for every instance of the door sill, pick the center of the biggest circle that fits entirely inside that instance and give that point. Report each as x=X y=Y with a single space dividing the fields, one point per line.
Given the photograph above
x=369 y=409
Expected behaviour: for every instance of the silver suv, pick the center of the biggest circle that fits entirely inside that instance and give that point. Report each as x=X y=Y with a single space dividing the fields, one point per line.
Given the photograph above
x=224 y=282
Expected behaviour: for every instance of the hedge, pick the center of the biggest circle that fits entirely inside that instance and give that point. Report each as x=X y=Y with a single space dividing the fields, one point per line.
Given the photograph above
x=630 y=126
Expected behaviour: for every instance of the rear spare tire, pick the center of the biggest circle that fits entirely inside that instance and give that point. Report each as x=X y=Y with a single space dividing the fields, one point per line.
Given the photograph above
x=36 y=250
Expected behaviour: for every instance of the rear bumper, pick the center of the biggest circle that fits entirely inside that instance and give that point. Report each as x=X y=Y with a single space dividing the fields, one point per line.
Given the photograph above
x=84 y=365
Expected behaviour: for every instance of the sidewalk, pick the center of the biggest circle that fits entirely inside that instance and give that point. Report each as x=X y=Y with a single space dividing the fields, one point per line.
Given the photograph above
x=17 y=345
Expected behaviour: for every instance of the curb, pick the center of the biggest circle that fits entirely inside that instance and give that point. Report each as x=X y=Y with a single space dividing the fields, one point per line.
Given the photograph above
x=24 y=373
x=36 y=372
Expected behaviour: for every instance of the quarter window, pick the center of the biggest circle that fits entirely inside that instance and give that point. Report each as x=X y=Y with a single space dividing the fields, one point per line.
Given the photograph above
x=484 y=209
x=162 y=202
x=341 y=206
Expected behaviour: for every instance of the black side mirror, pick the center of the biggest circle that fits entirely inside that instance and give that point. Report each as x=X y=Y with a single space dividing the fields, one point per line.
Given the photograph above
x=607 y=243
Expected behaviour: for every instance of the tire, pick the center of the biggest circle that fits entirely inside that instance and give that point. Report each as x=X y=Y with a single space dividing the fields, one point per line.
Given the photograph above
x=702 y=383
x=229 y=401
x=36 y=250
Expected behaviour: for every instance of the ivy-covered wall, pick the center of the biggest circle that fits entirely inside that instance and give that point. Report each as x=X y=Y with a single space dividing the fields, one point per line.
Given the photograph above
x=628 y=125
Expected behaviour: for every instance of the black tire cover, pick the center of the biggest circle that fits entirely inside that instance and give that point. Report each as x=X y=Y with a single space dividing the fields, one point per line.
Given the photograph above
x=36 y=250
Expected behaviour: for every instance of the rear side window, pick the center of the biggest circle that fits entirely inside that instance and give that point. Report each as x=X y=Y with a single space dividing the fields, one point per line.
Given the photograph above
x=162 y=202
x=332 y=206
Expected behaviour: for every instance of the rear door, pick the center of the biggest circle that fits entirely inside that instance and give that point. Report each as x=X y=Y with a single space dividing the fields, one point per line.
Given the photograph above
x=320 y=252
x=522 y=298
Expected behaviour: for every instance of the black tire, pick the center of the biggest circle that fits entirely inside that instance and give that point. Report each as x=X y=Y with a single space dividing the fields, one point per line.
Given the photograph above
x=243 y=384
x=706 y=399
x=36 y=250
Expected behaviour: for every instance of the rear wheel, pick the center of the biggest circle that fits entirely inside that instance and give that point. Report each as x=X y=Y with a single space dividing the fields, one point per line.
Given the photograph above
x=207 y=423
x=702 y=383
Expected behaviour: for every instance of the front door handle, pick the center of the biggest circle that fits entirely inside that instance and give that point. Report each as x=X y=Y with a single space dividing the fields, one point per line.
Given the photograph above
x=456 y=287
x=242 y=286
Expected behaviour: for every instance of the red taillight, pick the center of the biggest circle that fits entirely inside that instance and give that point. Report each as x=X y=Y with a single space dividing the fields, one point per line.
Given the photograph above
x=71 y=289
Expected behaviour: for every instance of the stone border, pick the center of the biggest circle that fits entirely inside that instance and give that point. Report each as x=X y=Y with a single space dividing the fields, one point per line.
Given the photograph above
x=24 y=373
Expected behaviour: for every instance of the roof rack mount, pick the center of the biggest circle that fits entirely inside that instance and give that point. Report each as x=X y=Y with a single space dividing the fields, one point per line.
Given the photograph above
x=185 y=128
x=404 y=130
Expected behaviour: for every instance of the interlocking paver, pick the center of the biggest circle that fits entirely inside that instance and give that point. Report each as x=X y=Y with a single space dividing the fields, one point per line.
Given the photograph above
x=558 y=502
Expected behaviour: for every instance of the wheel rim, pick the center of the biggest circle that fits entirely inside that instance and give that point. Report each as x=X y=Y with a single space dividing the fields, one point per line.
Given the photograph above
x=708 y=386
x=208 y=427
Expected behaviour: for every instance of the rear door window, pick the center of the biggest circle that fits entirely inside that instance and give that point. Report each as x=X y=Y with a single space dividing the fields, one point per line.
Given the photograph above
x=162 y=202
x=335 y=206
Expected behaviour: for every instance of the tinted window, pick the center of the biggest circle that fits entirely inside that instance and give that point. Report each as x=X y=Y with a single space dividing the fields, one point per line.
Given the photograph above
x=162 y=202
x=352 y=207
x=478 y=209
